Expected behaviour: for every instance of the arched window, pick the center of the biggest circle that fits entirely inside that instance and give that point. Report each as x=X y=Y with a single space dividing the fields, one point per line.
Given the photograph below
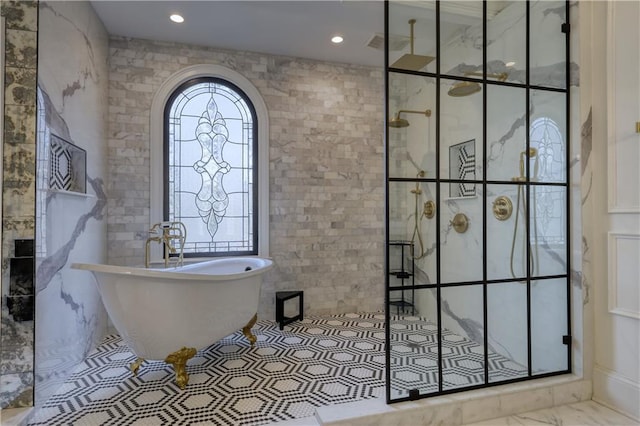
x=209 y=161
x=549 y=166
x=210 y=145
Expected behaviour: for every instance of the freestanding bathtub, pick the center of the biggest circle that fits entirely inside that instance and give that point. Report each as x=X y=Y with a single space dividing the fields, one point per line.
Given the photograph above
x=169 y=314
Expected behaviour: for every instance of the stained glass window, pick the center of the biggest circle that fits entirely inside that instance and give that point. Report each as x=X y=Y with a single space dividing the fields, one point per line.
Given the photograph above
x=210 y=174
x=548 y=166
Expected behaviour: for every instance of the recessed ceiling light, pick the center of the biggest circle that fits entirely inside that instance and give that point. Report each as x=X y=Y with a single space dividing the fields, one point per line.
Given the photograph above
x=176 y=18
x=509 y=64
x=337 y=39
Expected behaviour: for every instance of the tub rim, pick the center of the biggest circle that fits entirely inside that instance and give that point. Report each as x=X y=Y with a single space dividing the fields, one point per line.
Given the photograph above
x=173 y=273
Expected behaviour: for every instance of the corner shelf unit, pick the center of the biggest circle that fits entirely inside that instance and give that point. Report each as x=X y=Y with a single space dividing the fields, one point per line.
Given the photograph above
x=402 y=273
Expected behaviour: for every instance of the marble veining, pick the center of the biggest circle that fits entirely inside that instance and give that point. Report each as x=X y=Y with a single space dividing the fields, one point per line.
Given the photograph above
x=587 y=413
x=90 y=70
x=73 y=49
x=56 y=261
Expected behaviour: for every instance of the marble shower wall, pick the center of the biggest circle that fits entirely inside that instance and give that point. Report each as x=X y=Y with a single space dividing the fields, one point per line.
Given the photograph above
x=326 y=167
x=70 y=227
x=18 y=197
x=461 y=120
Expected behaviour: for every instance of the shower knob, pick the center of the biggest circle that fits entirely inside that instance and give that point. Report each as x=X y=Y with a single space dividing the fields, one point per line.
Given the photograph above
x=502 y=207
x=460 y=223
x=429 y=209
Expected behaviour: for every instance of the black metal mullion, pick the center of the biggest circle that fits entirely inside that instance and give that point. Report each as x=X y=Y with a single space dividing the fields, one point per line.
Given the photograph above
x=387 y=333
x=438 y=202
x=568 y=175
x=484 y=195
x=527 y=182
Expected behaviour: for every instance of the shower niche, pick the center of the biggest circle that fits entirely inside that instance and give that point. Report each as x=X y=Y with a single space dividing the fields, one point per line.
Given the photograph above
x=477 y=110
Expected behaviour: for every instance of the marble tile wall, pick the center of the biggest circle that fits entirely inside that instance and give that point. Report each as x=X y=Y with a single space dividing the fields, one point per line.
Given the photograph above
x=18 y=194
x=70 y=226
x=326 y=167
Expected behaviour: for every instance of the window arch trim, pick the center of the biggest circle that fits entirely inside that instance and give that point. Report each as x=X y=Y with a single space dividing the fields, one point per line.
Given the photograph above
x=156 y=144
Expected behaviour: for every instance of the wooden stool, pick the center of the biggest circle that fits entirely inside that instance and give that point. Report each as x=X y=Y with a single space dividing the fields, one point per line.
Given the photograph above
x=281 y=297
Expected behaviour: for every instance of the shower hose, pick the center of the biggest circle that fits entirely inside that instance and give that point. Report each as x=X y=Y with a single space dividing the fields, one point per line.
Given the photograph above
x=522 y=202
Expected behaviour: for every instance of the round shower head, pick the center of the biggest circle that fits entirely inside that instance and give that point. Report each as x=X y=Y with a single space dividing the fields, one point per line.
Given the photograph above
x=464 y=88
x=398 y=122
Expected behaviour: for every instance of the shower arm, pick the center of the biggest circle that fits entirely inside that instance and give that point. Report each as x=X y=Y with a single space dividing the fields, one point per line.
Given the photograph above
x=426 y=113
x=500 y=77
x=411 y=24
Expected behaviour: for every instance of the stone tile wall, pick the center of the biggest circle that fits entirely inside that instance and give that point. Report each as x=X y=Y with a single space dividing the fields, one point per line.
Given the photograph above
x=326 y=167
x=18 y=194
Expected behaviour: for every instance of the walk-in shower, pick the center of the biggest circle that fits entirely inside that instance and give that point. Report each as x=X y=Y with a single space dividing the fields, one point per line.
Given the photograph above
x=478 y=293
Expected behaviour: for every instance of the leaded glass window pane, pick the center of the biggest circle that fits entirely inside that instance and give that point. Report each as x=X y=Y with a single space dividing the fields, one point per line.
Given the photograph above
x=210 y=174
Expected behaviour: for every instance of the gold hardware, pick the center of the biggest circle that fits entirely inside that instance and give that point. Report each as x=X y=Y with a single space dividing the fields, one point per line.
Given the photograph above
x=246 y=330
x=429 y=209
x=136 y=365
x=502 y=207
x=637 y=126
x=426 y=112
x=179 y=361
x=171 y=231
x=460 y=223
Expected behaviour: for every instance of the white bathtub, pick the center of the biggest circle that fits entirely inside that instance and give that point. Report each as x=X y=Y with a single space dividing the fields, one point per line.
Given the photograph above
x=159 y=311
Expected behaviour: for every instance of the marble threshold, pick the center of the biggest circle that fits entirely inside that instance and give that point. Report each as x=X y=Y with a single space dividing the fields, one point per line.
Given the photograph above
x=455 y=409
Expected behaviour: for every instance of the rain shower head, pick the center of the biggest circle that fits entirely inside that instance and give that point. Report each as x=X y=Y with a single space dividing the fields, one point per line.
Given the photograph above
x=398 y=122
x=411 y=61
x=466 y=88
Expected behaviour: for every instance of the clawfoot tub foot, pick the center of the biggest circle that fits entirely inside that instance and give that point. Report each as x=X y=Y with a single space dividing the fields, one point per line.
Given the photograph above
x=246 y=330
x=136 y=365
x=179 y=361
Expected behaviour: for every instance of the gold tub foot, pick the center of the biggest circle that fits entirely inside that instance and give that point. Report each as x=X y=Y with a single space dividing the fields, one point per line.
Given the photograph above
x=179 y=361
x=246 y=330
x=134 y=366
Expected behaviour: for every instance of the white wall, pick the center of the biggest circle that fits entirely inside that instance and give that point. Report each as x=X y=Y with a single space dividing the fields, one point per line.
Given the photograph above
x=611 y=209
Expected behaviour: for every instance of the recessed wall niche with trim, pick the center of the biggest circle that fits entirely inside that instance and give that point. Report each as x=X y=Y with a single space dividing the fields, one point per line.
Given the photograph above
x=462 y=166
x=68 y=166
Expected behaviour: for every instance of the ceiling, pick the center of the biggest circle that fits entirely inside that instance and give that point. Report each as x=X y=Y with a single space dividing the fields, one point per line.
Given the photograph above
x=292 y=28
x=301 y=28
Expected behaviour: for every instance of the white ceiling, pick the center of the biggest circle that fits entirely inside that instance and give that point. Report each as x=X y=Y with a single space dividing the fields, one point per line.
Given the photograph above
x=301 y=28
x=292 y=28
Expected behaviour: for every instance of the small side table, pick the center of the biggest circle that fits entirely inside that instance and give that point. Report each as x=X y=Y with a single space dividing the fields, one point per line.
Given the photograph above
x=281 y=297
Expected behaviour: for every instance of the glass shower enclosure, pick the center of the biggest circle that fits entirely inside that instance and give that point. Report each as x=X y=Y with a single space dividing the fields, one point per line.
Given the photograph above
x=477 y=231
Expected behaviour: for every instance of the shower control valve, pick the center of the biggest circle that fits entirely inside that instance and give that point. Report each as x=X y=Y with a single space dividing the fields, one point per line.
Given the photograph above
x=460 y=223
x=502 y=207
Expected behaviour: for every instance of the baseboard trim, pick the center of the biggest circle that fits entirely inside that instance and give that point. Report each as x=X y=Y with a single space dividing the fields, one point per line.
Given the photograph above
x=616 y=392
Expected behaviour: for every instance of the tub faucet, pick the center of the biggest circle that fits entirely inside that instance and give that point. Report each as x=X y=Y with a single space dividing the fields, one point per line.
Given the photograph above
x=166 y=233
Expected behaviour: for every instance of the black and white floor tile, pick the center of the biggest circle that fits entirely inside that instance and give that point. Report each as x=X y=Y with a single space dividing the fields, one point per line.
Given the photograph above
x=315 y=362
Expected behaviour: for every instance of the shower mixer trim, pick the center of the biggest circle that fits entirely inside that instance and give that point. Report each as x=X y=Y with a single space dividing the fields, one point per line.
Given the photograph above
x=502 y=207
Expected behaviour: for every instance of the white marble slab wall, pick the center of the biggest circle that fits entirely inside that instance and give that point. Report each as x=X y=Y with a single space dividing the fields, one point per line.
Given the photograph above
x=18 y=194
x=71 y=227
x=326 y=167
x=461 y=120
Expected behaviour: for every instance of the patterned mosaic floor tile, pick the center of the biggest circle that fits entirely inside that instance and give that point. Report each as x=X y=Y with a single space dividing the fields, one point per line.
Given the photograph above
x=315 y=362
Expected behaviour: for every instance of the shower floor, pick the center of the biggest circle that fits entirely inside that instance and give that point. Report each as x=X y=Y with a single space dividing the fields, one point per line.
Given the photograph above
x=315 y=362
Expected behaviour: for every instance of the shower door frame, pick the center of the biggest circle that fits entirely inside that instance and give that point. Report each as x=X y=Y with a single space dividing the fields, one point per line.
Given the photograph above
x=414 y=394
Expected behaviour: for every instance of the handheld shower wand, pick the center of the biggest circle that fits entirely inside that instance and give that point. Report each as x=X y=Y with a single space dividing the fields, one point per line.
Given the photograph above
x=417 y=218
x=533 y=248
